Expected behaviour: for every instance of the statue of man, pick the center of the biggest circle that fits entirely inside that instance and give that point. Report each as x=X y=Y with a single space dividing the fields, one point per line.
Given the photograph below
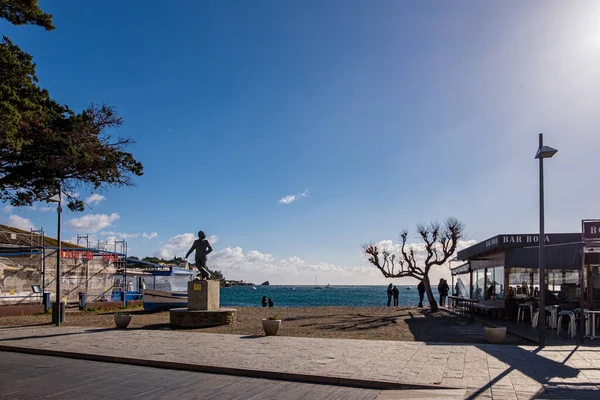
x=202 y=248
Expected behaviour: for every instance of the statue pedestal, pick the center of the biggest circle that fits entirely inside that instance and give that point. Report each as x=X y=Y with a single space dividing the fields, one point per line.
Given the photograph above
x=203 y=295
x=203 y=307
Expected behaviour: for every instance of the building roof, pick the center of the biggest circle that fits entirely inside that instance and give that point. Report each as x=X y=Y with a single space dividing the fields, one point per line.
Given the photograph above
x=517 y=240
x=15 y=237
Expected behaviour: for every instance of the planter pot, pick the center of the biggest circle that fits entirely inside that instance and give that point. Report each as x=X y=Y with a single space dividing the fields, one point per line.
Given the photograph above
x=495 y=335
x=122 y=320
x=271 y=326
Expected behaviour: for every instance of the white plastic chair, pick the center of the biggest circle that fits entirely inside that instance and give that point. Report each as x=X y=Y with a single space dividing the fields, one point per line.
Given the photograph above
x=534 y=319
x=571 y=328
x=521 y=311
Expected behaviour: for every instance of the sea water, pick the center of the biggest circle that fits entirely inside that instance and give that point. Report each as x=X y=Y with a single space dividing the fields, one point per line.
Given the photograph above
x=310 y=296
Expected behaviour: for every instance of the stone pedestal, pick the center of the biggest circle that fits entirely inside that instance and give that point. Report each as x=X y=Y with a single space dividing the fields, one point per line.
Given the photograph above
x=203 y=295
x=203 y=307
x=184 y=318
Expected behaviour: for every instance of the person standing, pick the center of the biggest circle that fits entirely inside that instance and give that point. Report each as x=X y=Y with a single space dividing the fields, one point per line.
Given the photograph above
x=421 y=289
x=443 y=289
x=270 y=302
x=395 y=293
x=264 y=301
x=389 y=293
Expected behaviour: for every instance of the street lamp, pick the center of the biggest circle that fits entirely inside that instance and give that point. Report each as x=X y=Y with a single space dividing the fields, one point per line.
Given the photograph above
x=542 y=152
x=58 y=199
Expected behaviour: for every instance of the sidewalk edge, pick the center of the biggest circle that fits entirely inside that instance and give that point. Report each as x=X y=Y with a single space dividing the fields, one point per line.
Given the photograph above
x=282 y=376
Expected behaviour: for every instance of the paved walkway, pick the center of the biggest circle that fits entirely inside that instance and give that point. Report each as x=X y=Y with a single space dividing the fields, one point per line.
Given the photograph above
x=492 y=371
x=26 y=376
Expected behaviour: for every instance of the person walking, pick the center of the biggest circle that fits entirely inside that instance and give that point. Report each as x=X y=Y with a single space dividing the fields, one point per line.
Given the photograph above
x=421 y=289
x=443 y=289
x=389 y=293
x=395 y=293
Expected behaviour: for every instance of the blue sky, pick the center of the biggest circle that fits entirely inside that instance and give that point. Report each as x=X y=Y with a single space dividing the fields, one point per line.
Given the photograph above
x=384 y=114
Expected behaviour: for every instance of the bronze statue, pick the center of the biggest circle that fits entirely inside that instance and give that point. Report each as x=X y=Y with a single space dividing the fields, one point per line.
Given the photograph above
x=202 y=248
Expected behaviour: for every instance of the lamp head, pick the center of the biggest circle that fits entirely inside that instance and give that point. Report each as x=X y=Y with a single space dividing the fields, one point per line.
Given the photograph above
x=545 y=152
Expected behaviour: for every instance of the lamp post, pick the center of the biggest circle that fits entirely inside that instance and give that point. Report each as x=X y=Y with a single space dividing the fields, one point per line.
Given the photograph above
x=58 y=199
x=542 y=152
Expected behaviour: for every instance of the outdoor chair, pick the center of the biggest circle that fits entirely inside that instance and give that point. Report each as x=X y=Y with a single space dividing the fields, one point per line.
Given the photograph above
x=522 y=308
x=571 y=328
x=550 y=315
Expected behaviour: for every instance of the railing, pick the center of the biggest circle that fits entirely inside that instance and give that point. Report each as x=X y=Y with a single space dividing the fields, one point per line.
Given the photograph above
x=463 y=306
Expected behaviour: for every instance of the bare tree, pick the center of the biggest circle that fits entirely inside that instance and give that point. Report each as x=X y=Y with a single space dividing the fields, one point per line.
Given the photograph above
x=440 y=244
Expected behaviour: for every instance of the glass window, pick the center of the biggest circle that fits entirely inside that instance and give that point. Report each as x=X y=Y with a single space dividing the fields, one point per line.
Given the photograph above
x=478 y=284
x=595 y=283
x=490 y=293
x=520 y=282
x=499 y=282
x=563 y=286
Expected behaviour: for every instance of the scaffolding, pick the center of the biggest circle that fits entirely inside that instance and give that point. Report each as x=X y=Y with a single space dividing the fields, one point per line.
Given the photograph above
x=28 y=259
x=121 y=263
x=22 y=256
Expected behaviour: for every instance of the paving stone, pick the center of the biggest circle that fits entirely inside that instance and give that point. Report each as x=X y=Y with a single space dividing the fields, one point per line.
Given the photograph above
x=520 y=370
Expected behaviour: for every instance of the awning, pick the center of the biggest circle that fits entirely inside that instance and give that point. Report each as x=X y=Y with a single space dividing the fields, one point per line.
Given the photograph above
x=561 y=256
x=461 y=269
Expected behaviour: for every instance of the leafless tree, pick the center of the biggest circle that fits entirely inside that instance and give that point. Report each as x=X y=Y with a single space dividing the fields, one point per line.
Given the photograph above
x=440 y=244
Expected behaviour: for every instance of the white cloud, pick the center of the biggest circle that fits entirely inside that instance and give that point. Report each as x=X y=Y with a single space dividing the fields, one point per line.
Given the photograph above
x=255 y=266
x=125 y=235
x=176 y=246
x=212 y=239
x=293 y=197
x=287 y=199
x=94 y=199
x=179 y=245
x=7 y=209
x=20 y=223
x=93 y=222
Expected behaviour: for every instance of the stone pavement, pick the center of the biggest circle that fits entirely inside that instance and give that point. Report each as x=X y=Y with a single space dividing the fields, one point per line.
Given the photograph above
x=486 y=371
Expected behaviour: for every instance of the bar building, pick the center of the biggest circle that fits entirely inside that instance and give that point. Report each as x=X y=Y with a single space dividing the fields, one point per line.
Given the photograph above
x=504 y=270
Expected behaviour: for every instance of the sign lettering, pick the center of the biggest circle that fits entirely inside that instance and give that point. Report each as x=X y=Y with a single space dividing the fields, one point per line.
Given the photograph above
x=591 y=230
x=522 y=239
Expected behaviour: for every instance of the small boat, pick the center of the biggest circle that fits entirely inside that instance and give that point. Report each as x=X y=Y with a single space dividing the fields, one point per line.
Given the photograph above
x=162 y=300
x=162 y=287
x=317 y=284
x=328 y=286
x=253 y=287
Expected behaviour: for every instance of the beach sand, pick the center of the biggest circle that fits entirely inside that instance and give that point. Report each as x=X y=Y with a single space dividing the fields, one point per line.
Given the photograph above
x=373 y=323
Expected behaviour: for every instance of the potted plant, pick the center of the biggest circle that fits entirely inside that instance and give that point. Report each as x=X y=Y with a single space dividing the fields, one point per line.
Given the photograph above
x=271 y=325
x=122 y=320
x=495 y=334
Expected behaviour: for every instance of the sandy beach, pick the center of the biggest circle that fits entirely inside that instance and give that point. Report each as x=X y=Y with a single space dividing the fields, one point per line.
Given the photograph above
x=380 y=323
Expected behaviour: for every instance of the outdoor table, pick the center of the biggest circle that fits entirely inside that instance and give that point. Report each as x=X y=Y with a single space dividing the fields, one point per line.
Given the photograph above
x=592 y=314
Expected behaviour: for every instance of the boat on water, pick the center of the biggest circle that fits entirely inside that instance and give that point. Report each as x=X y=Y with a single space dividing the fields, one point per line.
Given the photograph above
x=328 y=286
x=317 y=284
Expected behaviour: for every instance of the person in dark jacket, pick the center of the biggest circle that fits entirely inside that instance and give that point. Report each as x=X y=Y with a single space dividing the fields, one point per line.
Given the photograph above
x=264 y=301
x=421 y=289
x=443 y=290
x=270 y=302
x=395 y=293
x=389 y=293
